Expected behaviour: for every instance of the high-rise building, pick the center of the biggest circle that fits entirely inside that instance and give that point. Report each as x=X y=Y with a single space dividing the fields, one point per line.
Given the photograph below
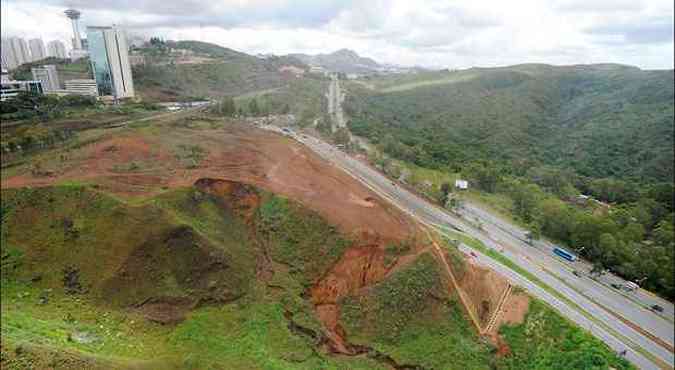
x=48 y=76
x=109 y=55
x=37 y=49
x=56 y=49
x=20 y=50
x=9 y=60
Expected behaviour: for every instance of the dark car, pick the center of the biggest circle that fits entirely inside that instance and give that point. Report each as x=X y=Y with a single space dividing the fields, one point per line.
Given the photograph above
x=657 y=308
x=576 y=273
x=616 y=286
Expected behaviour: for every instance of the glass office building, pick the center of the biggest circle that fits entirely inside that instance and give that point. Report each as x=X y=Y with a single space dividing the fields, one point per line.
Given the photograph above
x=109 y=56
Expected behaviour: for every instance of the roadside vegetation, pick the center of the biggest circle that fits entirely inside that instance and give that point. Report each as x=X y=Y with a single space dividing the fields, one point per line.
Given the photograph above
x=536 y=138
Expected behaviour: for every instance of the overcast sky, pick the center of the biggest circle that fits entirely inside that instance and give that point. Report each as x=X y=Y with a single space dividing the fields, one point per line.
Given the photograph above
x=440 y=33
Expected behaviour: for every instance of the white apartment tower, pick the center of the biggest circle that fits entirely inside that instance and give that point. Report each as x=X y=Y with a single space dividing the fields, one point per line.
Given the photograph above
x=37 y=49
x=109 y=55
x=56 y=49
x=9 y=60
x=17 y=50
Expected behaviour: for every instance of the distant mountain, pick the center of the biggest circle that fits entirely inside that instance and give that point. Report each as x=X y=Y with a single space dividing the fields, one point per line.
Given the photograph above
x=343 y=60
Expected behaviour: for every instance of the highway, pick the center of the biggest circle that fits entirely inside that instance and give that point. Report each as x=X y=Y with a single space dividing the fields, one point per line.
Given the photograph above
x=633 y=306
x=587 y=305
x=335 y=98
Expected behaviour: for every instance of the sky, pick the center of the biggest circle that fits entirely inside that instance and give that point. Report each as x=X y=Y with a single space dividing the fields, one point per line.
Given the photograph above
x=431 y=33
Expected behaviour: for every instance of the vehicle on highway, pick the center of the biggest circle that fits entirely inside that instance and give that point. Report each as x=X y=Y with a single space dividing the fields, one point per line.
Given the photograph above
x=630 y=286
x=565 y=254
x=576 y=273
x=616 y=286
x=656 y=308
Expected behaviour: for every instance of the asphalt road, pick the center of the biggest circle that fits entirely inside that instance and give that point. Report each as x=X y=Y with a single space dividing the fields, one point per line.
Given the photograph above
x=632 y=306
x=335 y=97
x=587 y=298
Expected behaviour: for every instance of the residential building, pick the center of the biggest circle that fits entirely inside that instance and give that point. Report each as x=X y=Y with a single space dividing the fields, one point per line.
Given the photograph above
x=15 y=52
x=81 y=87
x=9 y=60
x=56 y=49
x=461 y=184
x=48 y=75
x=109 y=55
x=37 y=49
x=11 y=88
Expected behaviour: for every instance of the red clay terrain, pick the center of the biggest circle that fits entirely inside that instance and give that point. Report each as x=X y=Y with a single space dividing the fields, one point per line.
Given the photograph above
x=140 y=163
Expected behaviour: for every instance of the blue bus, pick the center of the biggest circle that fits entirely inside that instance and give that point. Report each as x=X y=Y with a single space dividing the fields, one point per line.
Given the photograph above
x=565 y=254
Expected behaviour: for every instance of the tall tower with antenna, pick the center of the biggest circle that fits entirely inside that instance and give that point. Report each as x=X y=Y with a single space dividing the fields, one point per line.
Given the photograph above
x=74 y=16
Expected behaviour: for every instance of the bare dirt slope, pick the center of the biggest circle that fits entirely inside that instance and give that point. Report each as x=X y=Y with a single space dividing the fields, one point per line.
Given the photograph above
x=145 y=161
x=128 y=164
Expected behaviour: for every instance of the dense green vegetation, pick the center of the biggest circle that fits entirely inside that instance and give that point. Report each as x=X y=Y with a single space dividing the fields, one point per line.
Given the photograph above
x=210 y=71
x=547 y=341
x=542 y=135
x=27 y=105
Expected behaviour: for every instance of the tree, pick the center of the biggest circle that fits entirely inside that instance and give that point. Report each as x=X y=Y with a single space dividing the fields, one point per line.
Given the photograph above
x=226 y=107
x=445 y=190
x=534 y=232
x=484 y=175
x=253 y=108
x=341 y=136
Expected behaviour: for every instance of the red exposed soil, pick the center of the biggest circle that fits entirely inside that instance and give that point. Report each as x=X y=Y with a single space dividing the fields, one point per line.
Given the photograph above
x=484 y=288
x=236 y=153
x=514 y=311
x=242 y=154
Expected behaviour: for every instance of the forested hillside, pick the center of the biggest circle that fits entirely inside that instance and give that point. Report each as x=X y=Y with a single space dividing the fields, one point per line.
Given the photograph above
x=540 y=135
x=197 y=70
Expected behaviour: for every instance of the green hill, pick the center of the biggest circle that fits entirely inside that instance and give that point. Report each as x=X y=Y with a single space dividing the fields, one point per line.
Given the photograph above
x=208 y=71
x=532 y=135
x=599 y=120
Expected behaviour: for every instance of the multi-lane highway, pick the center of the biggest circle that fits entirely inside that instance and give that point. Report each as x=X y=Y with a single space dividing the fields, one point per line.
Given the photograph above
x=335 y=98
x=611 y=316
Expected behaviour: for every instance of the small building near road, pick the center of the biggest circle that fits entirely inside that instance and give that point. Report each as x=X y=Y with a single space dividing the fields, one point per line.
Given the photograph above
x=81 y=87
x=461 y=184
x=48 y=75
x=12 y=88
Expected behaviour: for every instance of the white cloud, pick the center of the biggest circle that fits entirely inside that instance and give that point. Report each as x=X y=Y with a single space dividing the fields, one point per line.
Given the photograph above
x=457 y=34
